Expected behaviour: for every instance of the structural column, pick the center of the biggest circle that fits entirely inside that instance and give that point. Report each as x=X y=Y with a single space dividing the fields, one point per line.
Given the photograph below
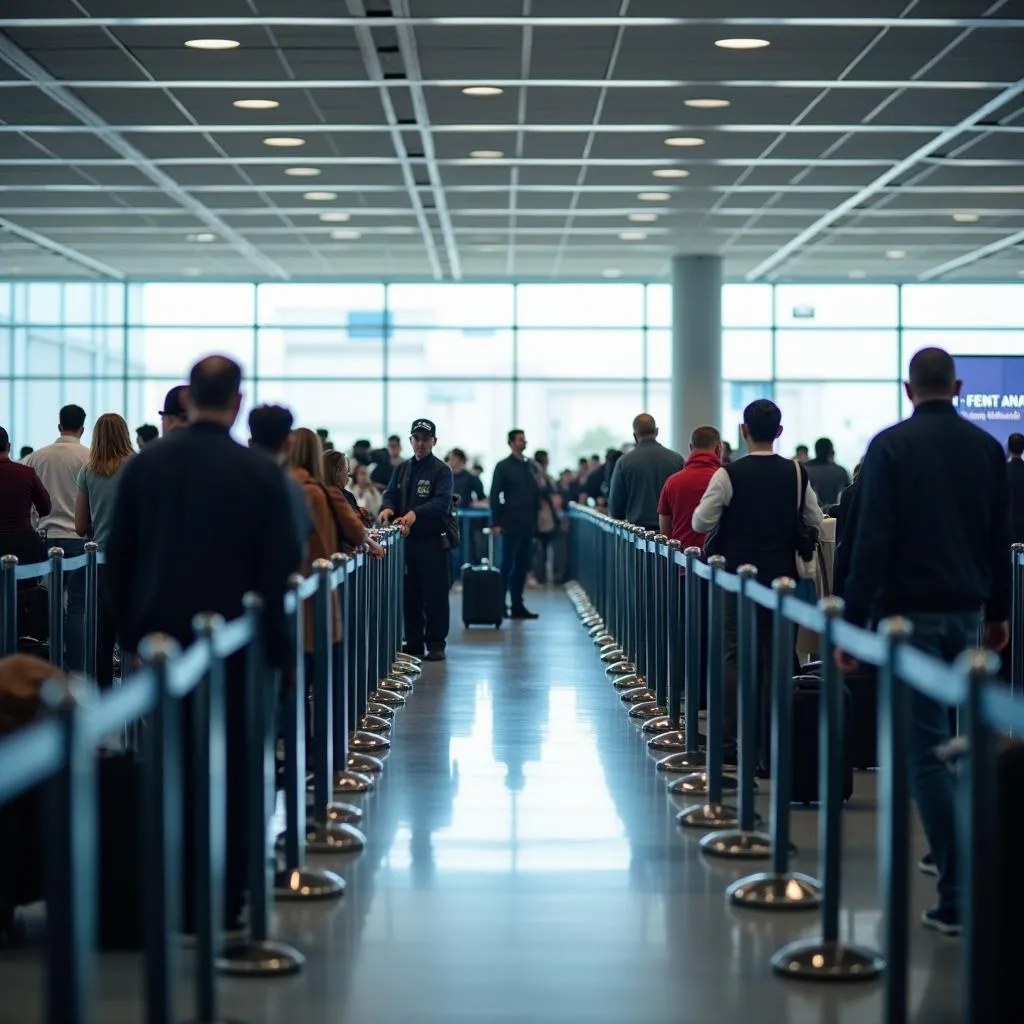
x=696 y=345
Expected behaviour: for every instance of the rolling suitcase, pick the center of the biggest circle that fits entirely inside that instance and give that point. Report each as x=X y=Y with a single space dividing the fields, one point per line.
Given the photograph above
x=483 y=593
x=806 y=734
x=862 y=734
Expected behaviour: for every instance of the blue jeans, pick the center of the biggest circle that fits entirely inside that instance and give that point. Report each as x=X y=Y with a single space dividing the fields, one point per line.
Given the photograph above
x=74 y=607
x=932 y=785
x=516 y=555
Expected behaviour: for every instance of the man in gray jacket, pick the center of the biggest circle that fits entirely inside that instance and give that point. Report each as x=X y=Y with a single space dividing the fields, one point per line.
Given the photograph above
x=640 y=475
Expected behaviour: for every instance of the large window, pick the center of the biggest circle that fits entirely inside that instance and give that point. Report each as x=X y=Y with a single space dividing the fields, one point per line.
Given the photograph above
x=571 y=363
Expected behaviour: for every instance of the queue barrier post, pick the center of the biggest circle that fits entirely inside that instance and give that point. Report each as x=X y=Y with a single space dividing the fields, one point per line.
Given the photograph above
x=641 y=692
x=395 y=678
x=91 y=607
x=55 y=596
x=403 y=666
x=359 y=757
x=712 y=782
x=655 y=710
x=9 y=604
x=363 y=742
x=387 y=695
x=630 y=676
x=669 y=645
x=623 y=666
x=612 y=653
x=259 y=955
x=780 y=888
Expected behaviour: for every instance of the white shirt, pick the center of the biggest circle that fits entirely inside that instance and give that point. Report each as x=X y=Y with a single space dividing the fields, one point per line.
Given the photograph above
x=708 y=514
x=58 y=465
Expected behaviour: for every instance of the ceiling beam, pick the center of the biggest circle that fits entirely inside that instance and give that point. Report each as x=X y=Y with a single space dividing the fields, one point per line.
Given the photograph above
x=974 y=256
x=59 y=249
x=59 y=93
x=895 y=172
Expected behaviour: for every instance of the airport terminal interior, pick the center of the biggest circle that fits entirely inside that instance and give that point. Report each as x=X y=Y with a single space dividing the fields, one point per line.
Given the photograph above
x=545 y=215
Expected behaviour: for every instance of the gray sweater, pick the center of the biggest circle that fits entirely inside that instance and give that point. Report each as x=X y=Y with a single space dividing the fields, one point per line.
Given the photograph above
x=637 y=482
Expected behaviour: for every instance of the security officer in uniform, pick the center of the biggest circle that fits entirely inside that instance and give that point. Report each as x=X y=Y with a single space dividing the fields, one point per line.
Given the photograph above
x=419 y=500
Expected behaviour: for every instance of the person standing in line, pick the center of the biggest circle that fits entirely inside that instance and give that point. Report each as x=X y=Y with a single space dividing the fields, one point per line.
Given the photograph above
x=174 y=414
x=387 y=462
x=547 y=517
x=419 y=500
x=58 y=466
x=640 y=475
x=21 y=491
x=802 y=454
x=1015 y=476
x=146 y=434
x=930 y=545
x=469 y=489
x=367 y=496
x=25 y=452
x=351 y=520
x=98 y=481
x=515 y=500
x=827 y=477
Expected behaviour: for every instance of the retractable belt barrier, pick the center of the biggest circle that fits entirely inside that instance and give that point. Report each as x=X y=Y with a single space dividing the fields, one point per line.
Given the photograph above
x=59 y=753
x=627 y=593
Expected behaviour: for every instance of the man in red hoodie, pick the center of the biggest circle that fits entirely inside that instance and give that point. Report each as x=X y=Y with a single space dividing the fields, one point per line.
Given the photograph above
x=683 y=490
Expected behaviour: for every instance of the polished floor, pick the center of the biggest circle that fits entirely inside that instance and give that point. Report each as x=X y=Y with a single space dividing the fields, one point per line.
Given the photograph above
x=523 y=864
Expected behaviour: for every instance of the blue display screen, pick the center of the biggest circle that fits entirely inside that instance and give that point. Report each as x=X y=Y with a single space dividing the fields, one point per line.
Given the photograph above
x=992 y=396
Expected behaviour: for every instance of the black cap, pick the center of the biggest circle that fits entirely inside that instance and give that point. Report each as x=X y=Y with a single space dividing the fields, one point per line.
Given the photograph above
x=424 y=427
x=174 y=404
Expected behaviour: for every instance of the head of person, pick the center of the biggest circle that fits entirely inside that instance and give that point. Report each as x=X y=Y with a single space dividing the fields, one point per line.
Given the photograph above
x=361 y=452
x=215 y=391
x=146 y=434
x=174 y=414
x=644 y=428
x=335 y=469
x=706 y=440
x=111 y=445
x=5 y=444
x=457 y=460
x=307 y=453
x=517 y=442
x=762 y=424
x=1015 y=445
x=324 y=434
x=802 y=453
x=594 y=461
x=478 y=470
x=824 y=450
x=611 y=456
x=860 y=465
x=25 y=451
x=394 y=446
x=583 y=467
x=726 y=453
x=566 y=477
x=72 y=421
x=932 y=377
x=270 y=430
x=422 y=436
x=541 y=458
x=361 y=477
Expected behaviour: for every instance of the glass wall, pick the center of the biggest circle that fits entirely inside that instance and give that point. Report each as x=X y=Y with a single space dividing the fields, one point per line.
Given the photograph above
x=569 y=363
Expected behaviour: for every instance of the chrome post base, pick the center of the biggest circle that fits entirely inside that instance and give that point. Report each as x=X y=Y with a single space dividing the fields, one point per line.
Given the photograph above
x=638 y=695
x=381 y=711
x=597 y=629
x=395 y=684
x=696 y=784
x=769 y=891
x=308 y=883
x=811 y=960
x=409 y=659
x=737 y=844
x=405 y=668
x=351 y=782
x=368 y=742
x=371 y=723
x=605 y=642
x=658 y=724
x=621 y=668
x=646 y=712
x=630 y=682
x=344 y=814
x=709 y=816
x=612 y=653
x=365 y=764
x=387 y=697
x=333 y=837
x=675 y=740
x=259 y=958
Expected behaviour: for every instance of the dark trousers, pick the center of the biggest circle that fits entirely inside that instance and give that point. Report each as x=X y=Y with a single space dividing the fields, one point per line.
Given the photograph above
x=540 y=566
x=105 y=634
x=427 y=568
x=516 y=552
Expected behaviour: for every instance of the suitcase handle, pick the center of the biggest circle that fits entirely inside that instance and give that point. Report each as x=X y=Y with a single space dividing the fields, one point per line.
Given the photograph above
x=489 y=534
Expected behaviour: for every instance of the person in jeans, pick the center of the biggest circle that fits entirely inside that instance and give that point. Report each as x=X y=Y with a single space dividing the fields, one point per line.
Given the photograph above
x=515 y=501
x=930 y=544
x=58 y=466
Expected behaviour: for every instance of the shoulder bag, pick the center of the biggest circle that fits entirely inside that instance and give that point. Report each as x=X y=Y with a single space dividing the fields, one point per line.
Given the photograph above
x=806 y=546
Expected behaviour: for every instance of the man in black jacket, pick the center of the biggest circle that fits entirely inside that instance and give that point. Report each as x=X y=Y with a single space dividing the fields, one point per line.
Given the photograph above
x=1015 y=475
x=199 y=522
x=515 y=501
x=930 y=544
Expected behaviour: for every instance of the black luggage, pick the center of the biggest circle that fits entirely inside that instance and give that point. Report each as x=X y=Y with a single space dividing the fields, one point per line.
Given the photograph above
x=806 y=733
x=483 y=592
x=863 y=716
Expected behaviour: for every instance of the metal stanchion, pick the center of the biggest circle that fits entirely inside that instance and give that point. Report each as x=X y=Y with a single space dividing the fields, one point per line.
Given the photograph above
x=629 y=680
x=670 y=666
x=296 y=880
x=641 y=693
x=712 y=782
x=613 y=594
x=56 y=606
x=362 y=762
x=388 y=696
x=391 y=680
x=401 y=665
x=91 y=607
x=656 y=633
x=780 y=888
x=9 y=603
x=624 y=666
x=827 y=958
x=362 y=740
x=259 y=955
x=743 y=841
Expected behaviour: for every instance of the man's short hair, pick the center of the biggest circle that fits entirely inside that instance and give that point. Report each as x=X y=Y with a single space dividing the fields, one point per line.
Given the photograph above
x=394 y=439
x=1015 y=444
x=541 y=455
x=458 y=453
x=704 y=438
x=644 y=425
x=72 y=418
x=5 y=440
x=824 y=448
x=269 y=427
x=147 y=432
x=214 y=383
x=762 y=419
x=514 y=433
x=802 y=448
x=933 y=372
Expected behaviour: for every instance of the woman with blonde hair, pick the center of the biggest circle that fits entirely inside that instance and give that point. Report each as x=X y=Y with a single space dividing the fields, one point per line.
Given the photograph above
x=98 y=481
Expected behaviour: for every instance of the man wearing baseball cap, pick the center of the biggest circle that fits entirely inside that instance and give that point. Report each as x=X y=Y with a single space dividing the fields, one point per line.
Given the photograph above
x=174 y=414
x=419 y=500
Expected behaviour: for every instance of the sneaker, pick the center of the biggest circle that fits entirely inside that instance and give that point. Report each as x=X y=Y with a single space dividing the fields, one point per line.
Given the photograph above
x=942 y=920
x=522 y=613
x=435 y=654
x=927 y=866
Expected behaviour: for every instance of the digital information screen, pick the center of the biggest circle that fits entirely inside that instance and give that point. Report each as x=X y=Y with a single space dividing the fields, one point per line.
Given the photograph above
x=992 y=396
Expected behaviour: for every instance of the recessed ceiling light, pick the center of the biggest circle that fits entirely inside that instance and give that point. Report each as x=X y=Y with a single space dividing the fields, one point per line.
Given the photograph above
x=643 y=218
x=488 y=248
x=486 y=154
x=857 y=273
x=192 y=271
x=896 y=254
x=654 y=197
x=320 y=197
x=742 y=44
x=706 y=104
x=611 y=272
x=683 y=141
x=212 y=44
x=303 y=172
x=283 y=142
x=965 y=218
x=202 y=236
x=346 y=234
x=482 y=90
x=256 y=104
x=632 y=236
x=671 y=172
x=335 y=217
